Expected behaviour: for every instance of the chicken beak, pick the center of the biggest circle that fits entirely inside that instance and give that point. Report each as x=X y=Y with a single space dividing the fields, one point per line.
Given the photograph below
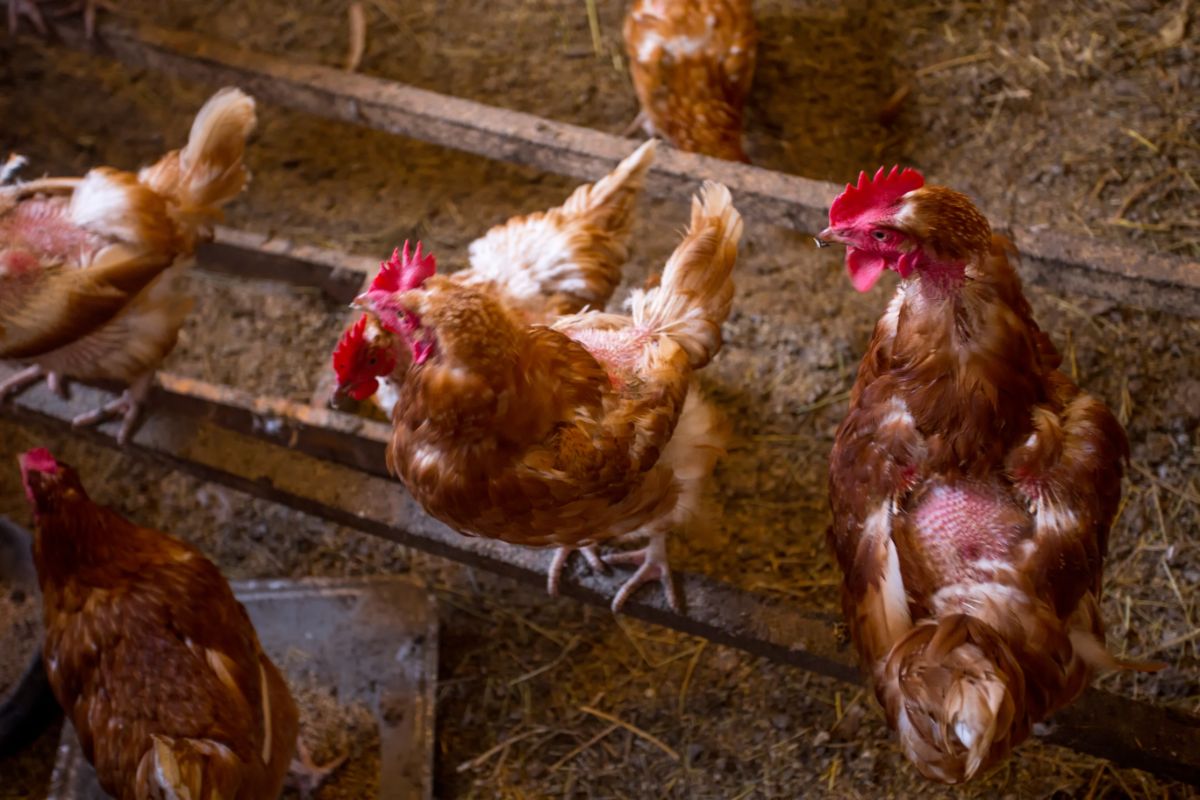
x=827 y=237
x=340 y=399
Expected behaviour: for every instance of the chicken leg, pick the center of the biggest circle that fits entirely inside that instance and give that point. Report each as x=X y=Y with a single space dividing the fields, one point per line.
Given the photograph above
x=128 y=406
x=29 y=9
x=651 y=562
x=306 y=776
x=554 y=574
x=20 y=380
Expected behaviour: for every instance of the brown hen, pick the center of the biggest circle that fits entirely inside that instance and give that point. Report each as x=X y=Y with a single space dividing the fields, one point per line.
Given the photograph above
x=692 y=63
x=972 y=487
x=155 y=663
x=544 y=264
x=90 y=267
x=586 y=430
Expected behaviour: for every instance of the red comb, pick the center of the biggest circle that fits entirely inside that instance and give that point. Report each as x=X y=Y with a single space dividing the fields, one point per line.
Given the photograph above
x=403 y=271
x=350 y=341
x=37 y=460
x=878 y=192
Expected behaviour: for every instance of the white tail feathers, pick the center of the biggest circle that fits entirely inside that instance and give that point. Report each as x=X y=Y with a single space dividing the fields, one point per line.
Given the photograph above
x=694 y=296
x=570 y=257
x=208 y=172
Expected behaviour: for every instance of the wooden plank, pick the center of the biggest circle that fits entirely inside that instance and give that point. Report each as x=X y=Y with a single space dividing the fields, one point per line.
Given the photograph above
x=1117 y=272
x=180 y=432
x=242 y=253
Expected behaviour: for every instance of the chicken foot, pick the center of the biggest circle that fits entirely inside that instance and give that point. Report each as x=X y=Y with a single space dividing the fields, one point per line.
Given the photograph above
x=128 y=406
x=640 y=122
x=651 y=562
x=306 y=776
x=29 y=9
x=30 y=375
x=554 y=574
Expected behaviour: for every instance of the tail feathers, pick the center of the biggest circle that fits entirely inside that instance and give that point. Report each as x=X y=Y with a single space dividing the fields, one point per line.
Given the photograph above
x=568 y=258
x=608 y=203
x=209 y=171
x=188 y=769
x=1093 y=652
x=955 y=694
x=695 y=293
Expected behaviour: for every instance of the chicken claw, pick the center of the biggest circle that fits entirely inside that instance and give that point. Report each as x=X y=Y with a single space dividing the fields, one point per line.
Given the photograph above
x=20 y=380
x=554 y=574
x=128 y=405
x=652 y=564
x=307 y=777
x=28 y=9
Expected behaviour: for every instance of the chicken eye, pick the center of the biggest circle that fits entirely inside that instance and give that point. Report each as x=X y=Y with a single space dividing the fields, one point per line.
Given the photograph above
x=880 y=235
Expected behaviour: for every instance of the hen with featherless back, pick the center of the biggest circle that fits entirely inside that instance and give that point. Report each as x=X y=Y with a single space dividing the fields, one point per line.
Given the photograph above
x=582 y=431
x=972 y=486
x=90 y=267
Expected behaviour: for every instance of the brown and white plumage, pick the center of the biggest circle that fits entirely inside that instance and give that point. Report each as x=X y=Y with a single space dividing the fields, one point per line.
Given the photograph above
x=972 y=486
x=692 y=63
x=155 y=663
x=581 y=432
x=544 y=264
x=567 y=258
x=90 y=267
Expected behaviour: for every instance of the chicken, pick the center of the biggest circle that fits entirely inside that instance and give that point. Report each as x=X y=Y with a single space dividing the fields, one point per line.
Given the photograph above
x=90 y=267
x=153 y=660
x=545 y=264
x=972 y=486
x=692 y=63
x=589 y=429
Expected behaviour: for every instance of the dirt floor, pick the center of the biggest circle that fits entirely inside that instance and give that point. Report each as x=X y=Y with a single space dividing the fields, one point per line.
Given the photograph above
x=1077 y=120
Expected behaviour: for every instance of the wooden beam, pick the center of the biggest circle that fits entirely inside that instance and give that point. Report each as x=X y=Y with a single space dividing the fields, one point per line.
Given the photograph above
x=1117 y=272
x=299 y=467
x=244 y=254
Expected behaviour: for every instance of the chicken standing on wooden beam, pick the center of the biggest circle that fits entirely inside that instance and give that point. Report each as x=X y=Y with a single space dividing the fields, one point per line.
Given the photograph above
x=972 y=486
x=692 y=63
x=90 y=267
x=591 y=428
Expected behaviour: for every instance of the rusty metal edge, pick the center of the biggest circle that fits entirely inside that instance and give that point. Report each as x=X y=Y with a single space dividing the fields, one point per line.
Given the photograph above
x=1129 y=732
x=1065 y=262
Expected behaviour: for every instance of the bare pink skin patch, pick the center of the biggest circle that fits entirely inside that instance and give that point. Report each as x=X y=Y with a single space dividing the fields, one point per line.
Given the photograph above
x=40 y=226
x=961 y=527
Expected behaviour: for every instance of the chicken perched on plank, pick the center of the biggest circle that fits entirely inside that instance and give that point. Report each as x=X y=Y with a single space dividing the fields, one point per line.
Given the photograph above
x=972 y=486
x=589 y=429
x=692 y=63
x=153 y=660
x=545 y=264
x=90 y=267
